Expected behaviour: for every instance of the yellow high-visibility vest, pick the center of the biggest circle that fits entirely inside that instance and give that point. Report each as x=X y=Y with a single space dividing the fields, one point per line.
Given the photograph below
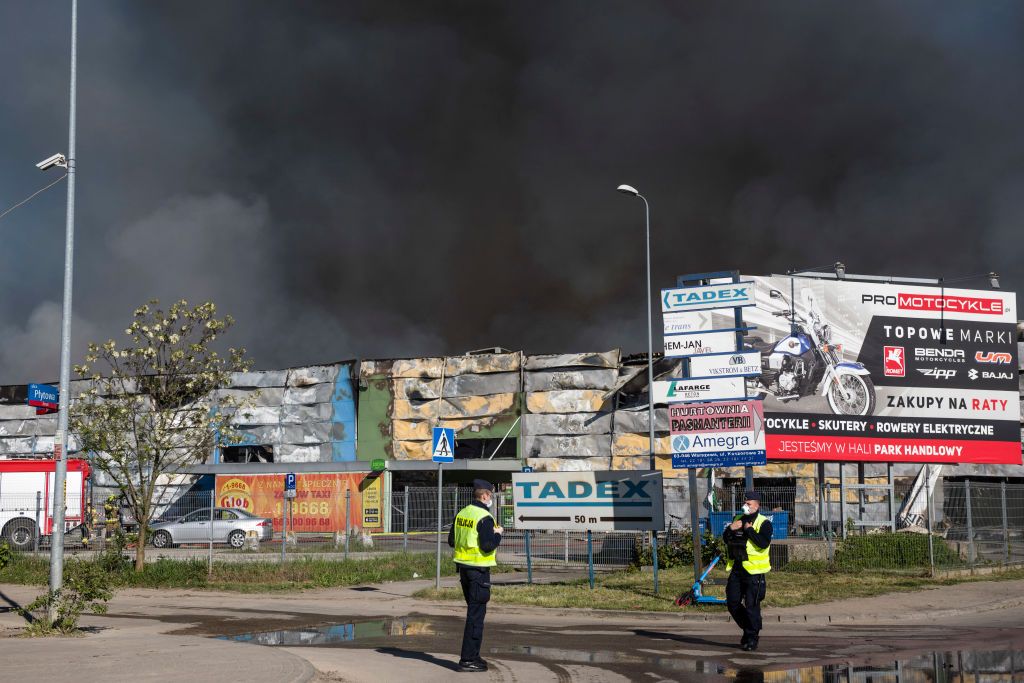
x=467 y=539
x=757 y=561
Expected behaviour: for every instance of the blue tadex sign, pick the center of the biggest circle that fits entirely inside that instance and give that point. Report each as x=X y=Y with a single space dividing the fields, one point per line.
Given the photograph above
x=289 y=481
x=726 y=295
x=45 y=397
x=594 y=501
x=443 y=444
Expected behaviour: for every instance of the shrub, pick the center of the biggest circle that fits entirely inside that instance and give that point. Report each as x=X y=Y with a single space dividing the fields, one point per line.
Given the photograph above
x=6 y=555
x=678 y=551
x=86 y=587
x=891 y=551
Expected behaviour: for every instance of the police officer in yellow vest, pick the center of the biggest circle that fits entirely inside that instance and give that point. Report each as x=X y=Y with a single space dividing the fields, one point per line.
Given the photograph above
x=747 y=540
x=475 y=536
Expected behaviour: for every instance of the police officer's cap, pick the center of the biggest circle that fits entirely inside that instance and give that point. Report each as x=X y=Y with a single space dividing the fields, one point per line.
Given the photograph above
x=752 y=495
x=483 y=484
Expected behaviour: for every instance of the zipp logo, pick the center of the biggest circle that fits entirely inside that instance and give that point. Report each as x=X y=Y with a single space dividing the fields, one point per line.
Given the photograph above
x=993 y=357
x=938 y=373
x=934 y=302
x=894 y=361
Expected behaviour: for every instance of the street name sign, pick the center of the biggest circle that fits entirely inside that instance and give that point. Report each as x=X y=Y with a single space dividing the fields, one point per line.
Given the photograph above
x=443 y=445
x=721 y=434
x=701 y=389
x=588 y=501
x=725 y=295
x=45 y=398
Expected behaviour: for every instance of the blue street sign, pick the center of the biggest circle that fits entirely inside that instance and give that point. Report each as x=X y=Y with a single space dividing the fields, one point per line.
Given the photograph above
x=443 y=445
x=43 y=395
x=289 y=481
x=527 y=469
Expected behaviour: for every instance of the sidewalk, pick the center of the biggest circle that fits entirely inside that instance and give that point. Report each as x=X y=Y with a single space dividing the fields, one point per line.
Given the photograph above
x=165 y=635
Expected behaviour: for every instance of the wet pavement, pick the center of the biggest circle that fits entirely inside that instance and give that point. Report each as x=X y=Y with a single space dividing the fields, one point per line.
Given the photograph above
x=846 y=653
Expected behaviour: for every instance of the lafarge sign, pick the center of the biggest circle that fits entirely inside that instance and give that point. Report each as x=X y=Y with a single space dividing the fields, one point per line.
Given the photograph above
x=886 y=372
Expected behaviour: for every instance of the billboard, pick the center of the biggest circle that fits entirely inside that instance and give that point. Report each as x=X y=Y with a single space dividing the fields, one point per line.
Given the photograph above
x=319 y=503
x=864 y=371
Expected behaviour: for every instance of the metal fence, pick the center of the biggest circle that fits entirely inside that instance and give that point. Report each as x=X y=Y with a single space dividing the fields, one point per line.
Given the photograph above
x=843 y=523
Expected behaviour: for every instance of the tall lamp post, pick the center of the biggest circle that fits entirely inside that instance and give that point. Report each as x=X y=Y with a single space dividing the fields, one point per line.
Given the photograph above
x=630 y=190
x=61 y=442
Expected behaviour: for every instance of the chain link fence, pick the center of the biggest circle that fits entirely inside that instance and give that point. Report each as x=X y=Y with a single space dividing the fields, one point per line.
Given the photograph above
x=955 y=524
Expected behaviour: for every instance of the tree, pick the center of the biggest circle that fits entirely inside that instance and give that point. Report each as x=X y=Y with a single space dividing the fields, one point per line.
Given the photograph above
x=149 y=408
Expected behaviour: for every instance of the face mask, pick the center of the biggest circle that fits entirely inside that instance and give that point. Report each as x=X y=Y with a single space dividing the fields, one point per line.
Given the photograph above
x=746 y=509
x=489 y=503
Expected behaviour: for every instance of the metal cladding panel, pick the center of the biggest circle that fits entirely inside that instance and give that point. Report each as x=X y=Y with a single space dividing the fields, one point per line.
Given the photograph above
x=584 y=446
x=17 y=412
x=576 y=401
x=422 y=368
x=598 y=464
x=412 y=430
x=460 y=386
x=411 y=450
x=604 y=359
x=482 y=363
x=639 y=444
x=43 y=426
x=257 y=416
x=79 y=387
x=316 y=393
x=563 y=424
x=635 y=421
x=262 y=398
x=560 y=380
x=300 y=453
x=266 y=378
x=631 y=462
x=306 y=433
x=19 y=445
x=259 y=435
x=300 y=414
x=455 y=407
x=314 y=374
x=1020 y=355
x=482 y=385
x=416 y=389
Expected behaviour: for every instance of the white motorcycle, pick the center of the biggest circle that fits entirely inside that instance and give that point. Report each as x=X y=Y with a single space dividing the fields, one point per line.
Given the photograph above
x=806 y=363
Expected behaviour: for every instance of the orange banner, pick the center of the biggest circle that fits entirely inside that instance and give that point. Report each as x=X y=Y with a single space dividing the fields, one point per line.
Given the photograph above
x=318 y=506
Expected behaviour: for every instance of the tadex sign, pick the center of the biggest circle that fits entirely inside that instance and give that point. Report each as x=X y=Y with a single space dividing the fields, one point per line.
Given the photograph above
x=726 y=295
x=588 y=501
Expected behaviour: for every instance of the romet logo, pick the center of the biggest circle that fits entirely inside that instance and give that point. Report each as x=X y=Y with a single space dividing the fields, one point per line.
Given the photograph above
x=933 y=302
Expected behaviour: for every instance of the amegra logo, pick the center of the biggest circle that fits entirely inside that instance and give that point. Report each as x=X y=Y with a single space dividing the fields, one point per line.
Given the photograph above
x=934 y=302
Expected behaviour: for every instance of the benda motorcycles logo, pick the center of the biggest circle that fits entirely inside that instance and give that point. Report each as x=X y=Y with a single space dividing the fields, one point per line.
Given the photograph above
x=934 y=302
x=894 y=361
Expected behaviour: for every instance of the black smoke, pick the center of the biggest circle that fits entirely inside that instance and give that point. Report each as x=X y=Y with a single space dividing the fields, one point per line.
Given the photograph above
x=373 y=179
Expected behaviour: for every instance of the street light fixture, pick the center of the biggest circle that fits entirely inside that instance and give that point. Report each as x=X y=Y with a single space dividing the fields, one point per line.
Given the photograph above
x=630 y=190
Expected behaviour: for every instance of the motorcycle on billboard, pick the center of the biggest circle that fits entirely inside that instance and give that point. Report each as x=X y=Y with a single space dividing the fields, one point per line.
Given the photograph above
x=806 y=363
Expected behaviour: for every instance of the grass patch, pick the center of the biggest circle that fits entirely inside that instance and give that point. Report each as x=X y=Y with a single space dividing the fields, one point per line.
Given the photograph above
x=256 y=576
x=632 y=591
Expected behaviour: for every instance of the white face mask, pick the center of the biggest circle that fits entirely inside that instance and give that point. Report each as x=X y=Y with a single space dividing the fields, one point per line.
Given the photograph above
x=746 y=509
x=488 y=503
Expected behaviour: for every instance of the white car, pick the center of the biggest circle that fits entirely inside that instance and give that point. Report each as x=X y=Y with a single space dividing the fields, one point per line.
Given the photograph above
x=230 y=525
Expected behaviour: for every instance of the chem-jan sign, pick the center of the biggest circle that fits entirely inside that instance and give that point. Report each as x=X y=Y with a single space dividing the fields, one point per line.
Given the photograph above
x=588 y=501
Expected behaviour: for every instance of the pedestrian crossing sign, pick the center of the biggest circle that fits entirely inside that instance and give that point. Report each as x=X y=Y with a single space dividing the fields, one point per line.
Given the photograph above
x=444 y=444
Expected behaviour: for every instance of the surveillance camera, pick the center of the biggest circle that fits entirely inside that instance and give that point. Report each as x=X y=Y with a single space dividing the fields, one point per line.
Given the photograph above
x=50 y=162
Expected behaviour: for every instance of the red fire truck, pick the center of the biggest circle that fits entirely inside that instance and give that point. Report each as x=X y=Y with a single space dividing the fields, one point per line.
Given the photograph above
x=26 y=499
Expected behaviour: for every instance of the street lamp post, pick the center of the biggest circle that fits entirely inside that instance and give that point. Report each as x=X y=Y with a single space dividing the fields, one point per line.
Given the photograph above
x=630 y=190
x=627 y=189
x=61 y=442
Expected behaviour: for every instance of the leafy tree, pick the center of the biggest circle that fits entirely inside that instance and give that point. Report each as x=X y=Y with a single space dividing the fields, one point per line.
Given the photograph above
x=149 y=409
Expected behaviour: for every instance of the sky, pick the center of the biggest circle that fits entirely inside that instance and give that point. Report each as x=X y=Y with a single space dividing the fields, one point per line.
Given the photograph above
x=398 y=179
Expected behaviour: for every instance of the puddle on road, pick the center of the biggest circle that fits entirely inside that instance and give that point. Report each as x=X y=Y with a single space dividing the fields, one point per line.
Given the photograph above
x=688 y=657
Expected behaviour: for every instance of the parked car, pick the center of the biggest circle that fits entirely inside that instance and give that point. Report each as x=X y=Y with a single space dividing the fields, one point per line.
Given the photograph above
x=230 y=525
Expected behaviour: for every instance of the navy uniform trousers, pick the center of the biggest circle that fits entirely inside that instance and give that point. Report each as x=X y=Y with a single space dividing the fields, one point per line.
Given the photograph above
x=743 y=595
x=476 y=589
